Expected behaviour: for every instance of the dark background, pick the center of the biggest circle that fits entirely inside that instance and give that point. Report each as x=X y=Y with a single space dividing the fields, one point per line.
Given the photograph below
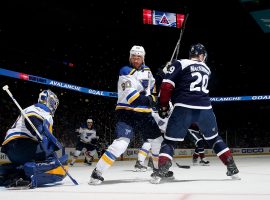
x=44 y=38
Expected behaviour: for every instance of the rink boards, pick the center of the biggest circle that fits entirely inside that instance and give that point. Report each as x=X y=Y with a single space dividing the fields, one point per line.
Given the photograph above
x=131 y=154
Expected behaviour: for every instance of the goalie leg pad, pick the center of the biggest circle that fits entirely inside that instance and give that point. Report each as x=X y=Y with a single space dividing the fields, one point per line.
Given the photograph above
x=46 y=172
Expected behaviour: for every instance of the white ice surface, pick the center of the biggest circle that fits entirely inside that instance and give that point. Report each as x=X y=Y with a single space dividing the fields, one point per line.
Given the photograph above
x=196 y=183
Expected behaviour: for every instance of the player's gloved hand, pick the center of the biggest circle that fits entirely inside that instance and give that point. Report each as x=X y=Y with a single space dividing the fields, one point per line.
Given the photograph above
x=164 y=111
x=152 y=100
x=160 y=73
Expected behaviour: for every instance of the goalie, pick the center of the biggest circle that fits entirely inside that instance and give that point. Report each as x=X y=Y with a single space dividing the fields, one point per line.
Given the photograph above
x=33 y=161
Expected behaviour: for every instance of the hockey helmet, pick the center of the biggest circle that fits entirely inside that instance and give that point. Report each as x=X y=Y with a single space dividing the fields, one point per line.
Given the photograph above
x=89 y=121
x=48 y=98
x=196 y=50
x=138 y=51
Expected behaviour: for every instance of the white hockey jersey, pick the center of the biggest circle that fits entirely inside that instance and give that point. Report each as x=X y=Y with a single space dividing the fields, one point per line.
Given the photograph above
x=19 y=130
x=162 y=123
x=131 y=84
x=86 y=135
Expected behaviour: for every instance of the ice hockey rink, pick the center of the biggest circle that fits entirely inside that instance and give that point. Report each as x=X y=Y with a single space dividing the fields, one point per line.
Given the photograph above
x=196 y=183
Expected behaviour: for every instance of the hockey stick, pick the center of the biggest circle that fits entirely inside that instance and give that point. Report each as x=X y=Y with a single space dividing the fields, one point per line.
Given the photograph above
x=177 y=47
x=38 y=134
x=183 y=166
x=20 y=108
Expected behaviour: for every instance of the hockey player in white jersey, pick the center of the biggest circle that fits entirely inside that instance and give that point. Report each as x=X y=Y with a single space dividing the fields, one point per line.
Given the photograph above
x=133 y=112
x=87 y=141
x=33 y=161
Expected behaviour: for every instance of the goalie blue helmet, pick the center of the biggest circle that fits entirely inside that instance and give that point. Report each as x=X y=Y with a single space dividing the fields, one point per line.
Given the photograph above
x=196 y=50
x=50 y=99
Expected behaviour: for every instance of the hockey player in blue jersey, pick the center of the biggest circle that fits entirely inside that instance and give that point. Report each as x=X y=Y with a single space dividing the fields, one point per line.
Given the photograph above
x=33 y=161
x=185 y=85
x=133 y=112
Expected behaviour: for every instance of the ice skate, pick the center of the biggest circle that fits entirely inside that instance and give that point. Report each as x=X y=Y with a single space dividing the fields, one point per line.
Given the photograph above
x=96 y=178
x=162 y=174
x=139 y=167
x=86 y=162
x=194 y=161
x=158 y=176
x=19 y=184
x=204 y=162
x=232 y=170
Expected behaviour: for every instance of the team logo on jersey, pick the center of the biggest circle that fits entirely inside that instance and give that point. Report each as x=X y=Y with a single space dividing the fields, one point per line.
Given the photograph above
x=144 y=83
x=161 y=123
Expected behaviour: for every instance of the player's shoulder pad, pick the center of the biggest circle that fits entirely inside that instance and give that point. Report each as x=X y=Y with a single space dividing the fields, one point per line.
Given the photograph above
x=146 y=68
x=187 y=62
x=42 y=106
x=175 y=65
x=126 y=70
x=177 y=62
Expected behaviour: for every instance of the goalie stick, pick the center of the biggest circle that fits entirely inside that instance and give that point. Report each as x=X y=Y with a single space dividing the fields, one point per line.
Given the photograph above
x=38 y=134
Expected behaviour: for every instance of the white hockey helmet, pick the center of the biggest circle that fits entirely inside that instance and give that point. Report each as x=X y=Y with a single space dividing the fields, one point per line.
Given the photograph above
x=138 y=51
x=89 y=121
x=48 y=98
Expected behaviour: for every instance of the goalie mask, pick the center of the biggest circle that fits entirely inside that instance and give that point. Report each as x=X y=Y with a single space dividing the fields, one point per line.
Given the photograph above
x=48 y=98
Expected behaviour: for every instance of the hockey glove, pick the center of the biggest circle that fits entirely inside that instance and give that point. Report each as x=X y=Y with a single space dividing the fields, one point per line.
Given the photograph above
x=152 y=101
x=164 y=112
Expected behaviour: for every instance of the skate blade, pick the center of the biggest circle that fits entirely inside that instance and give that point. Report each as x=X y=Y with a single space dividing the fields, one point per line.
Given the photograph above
x=158 y=180
x=94 y=182
x=19 y=188
x=204 y=165
x=235 y=177
x=155 y=180
x=139 y=170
